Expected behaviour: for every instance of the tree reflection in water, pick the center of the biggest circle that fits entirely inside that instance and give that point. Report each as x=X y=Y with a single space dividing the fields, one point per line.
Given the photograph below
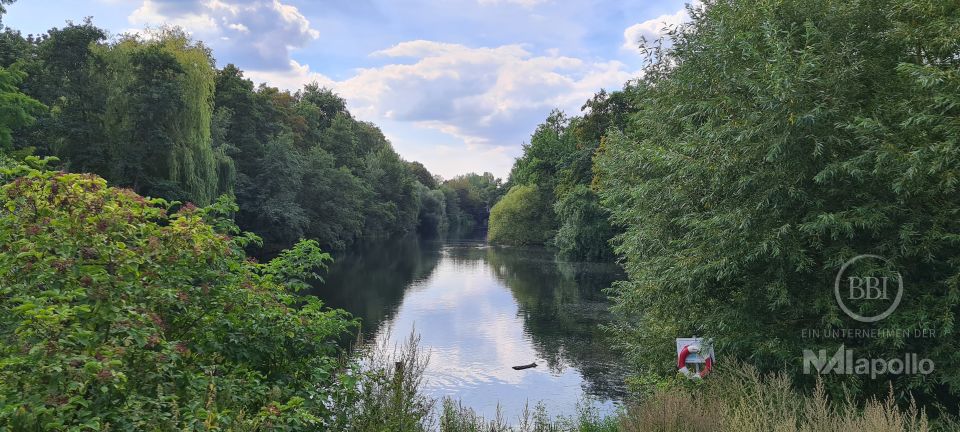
x=480 y=307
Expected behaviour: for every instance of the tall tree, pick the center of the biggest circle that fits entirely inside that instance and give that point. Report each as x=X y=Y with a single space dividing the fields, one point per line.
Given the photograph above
x=65 y=75
x=164 y=101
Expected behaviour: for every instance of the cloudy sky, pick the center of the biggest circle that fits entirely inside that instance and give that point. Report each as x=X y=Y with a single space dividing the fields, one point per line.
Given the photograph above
x=456 y=84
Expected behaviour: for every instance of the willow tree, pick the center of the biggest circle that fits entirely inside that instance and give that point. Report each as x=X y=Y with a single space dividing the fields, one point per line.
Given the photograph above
x=773 y=141
x=159 y=114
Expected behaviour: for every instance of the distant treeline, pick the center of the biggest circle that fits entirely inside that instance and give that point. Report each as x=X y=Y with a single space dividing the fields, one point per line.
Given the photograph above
x=551 y=196
x=155 y=114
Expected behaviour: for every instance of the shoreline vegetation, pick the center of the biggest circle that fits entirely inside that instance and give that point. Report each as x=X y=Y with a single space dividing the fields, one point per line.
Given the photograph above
x=151 y=355
x=155 y=114
x=736 y=398
x=765 y=144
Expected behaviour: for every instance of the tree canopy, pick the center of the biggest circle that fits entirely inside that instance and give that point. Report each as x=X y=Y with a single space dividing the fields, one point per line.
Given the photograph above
x=556 y=170
x=154 y=114
x=772 y=141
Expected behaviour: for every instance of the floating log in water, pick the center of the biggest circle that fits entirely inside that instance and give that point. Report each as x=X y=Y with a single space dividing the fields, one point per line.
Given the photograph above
x=522 y=367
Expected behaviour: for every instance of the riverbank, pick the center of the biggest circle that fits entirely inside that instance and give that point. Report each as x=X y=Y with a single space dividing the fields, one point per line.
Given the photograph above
x=734 y=398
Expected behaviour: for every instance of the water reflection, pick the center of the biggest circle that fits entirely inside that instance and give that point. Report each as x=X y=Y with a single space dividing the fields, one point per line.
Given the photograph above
x=370 y=281
x=480 y=310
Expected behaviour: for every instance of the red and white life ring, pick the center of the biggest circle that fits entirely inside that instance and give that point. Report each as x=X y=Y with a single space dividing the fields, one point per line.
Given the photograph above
x=682 y=362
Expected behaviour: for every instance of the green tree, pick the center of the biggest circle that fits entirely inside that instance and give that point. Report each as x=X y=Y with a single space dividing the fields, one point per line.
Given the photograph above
x=422 y=175
x=16 y=109
x=13 y=47
x=65 y=75
x=339 y=140
x=432 y=219
x=163 y=100
x=476 y=194
x=584 y=232
x=393 y=208
x=153 y=114
x=559 y=163
x=334 y=201
x=522 y=217
x=275 y=210
x=773 y=141
x=549 y=151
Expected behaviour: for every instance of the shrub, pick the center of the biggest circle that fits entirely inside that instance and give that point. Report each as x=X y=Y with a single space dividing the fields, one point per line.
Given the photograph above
x=117 y=313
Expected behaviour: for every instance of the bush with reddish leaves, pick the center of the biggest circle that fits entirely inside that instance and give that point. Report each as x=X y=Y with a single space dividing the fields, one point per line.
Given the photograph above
x=118 y=313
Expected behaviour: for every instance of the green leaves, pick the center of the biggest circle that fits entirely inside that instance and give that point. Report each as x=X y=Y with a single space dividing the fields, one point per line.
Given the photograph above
x=16 y=109
x=114 y=311
x=296 y=266
x=771 y=142
x=522 y=217
x=558 y=162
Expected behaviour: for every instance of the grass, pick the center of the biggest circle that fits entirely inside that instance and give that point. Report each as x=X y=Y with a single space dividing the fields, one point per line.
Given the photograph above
x=454 y=417
x=740 y=399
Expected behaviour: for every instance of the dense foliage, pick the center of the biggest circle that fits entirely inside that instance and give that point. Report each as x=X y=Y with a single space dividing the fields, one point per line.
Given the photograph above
x=16 y=109
x=155 y=115
x=470 y=198
x=772 y=141
x=159 y=95
x=557 y=166
x=520 y=216
x=117 y=313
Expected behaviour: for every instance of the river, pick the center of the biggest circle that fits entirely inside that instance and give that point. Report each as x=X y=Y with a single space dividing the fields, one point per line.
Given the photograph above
x=479 y=310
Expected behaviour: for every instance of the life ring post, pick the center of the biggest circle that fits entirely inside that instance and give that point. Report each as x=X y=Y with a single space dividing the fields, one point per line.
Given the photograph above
x=696 y=351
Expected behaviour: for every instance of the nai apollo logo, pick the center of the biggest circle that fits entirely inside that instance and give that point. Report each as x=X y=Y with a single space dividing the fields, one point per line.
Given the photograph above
x=868 y=288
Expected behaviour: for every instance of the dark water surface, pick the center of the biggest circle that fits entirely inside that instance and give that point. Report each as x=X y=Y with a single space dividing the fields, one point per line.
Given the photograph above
x=480 y=310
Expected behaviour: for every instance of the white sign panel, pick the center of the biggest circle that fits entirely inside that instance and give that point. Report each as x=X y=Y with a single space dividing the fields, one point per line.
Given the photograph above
x=699 y=357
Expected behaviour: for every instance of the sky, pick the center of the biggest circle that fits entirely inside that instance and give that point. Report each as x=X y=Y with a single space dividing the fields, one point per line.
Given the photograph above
x=459 y=85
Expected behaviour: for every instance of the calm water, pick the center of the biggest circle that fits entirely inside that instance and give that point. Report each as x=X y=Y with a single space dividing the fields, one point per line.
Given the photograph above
x=480 y=310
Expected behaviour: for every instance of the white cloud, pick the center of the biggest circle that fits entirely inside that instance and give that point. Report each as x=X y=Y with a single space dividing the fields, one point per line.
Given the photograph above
x=653 y=29
x=262 y=32
x=484 y=96
x=292 y=78
x=489 y=99
x=150 y=14
x=524 y=3
x=239 y=27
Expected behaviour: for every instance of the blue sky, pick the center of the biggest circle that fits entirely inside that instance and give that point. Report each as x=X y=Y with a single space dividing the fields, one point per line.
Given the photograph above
x=458 y=85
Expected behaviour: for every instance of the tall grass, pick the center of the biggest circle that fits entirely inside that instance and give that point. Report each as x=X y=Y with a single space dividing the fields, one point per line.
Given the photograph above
x=386 y=391
x=738 y=398
x=454 y=417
